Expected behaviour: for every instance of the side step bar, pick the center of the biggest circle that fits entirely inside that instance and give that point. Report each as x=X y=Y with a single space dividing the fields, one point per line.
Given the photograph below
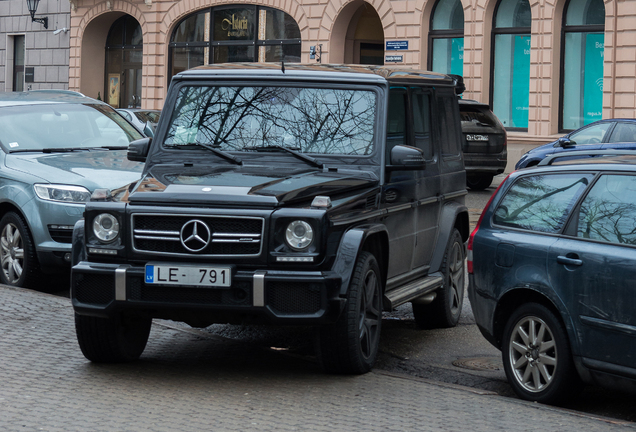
x=412 y=290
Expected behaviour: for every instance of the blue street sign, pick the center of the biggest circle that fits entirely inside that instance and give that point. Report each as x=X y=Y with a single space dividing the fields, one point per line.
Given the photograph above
x=397 y=45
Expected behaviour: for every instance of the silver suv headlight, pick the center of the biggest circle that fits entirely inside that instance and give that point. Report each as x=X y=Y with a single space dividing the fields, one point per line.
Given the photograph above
x=62 y=193
x=106 y=227
x=299 y=235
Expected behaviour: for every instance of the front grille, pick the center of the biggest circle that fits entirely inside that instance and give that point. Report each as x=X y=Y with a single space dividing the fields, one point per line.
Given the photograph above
x=94 y=288
x=239 y=294
x=227 y=236
x=294 y=297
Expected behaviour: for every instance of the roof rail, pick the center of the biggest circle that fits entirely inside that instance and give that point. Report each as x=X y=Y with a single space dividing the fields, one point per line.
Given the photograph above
x=548 y=160
x=60 y=91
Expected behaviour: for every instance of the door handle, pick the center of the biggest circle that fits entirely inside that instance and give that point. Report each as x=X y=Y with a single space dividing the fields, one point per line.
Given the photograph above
x=569 y=260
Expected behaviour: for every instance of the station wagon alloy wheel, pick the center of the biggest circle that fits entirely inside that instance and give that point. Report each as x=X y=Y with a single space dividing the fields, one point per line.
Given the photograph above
x=536 y=355
x=533 y=354
x=12 y=253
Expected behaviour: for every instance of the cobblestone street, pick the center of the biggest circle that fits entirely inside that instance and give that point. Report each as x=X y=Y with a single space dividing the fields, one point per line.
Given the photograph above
x=189 y=380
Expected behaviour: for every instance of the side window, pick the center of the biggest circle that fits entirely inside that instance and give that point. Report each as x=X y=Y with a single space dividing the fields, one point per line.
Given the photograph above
x=624 y=133
x=608 y=212
x=421 y=101
x=541 y=202
x=448 y=114
x=591 y=135
x=396 y=127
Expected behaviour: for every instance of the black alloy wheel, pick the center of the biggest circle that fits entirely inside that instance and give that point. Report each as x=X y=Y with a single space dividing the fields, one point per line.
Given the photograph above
x=350 y=346
x=445 y=310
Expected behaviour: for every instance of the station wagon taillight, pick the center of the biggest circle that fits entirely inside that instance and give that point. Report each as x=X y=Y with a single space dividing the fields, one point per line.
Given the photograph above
x=469 y=246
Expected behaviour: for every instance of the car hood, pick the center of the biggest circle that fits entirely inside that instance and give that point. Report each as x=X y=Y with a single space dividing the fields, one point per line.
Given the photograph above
x=543 y=148
x=245 y=185
x=91 y=169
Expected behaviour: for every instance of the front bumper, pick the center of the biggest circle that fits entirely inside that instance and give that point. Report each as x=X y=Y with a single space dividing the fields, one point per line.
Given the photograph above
x=284 y=297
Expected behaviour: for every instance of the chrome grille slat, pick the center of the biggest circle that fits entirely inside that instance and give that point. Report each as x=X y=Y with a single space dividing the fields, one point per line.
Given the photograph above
x=231 y=235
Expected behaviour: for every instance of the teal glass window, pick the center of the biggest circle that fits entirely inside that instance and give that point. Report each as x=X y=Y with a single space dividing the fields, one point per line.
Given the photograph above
x=582 y=63
x=511 y=72
x=447 y=38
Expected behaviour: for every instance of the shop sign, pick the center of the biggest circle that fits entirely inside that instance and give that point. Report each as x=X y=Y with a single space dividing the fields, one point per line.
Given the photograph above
x=29 y=74
x=235 y=26
x=393 y=59
x=397 y=45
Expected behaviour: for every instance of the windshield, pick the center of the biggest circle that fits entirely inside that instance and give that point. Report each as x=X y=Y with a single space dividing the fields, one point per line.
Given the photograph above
x=63 y=126
x=309 y=120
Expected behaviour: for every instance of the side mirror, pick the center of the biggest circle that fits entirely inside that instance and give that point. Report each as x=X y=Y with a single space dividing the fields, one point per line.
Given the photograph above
x=138 y=150
x=406 y=158
x=565 y=142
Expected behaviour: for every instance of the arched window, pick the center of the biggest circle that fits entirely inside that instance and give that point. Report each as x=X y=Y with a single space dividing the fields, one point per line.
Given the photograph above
x=235 y=33
x=511 y=71
x=582 y=63
x=446 y=38
x=124 y=53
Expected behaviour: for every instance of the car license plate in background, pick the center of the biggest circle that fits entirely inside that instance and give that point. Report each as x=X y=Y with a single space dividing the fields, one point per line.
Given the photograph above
x=186 y=275
x=475 y=137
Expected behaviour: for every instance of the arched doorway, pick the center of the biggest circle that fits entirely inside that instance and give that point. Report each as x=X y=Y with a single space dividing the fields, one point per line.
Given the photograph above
x=357 y=36
x=582 y=61
x=124 y=53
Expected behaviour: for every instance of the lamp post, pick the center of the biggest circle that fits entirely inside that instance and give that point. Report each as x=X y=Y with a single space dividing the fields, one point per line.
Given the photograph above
x=33 y=6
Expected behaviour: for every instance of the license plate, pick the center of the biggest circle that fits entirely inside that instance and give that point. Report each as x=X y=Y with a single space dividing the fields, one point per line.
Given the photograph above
x=475 y=137
x=188 y=275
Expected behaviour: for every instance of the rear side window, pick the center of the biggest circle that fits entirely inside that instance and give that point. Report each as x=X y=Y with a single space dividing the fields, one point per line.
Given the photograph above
x=624 y=133
x=608 y=212
x=541 y=202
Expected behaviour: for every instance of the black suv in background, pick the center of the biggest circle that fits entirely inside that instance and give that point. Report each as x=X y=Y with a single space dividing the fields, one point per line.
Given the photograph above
x=317 y=195
x=485 y=149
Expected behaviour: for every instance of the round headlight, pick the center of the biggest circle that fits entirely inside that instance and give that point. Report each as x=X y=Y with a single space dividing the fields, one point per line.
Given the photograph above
x=106 y=227
x=299 y=235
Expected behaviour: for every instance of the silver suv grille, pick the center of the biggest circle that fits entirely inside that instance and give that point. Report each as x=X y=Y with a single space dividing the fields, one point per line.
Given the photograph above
x=202 y=235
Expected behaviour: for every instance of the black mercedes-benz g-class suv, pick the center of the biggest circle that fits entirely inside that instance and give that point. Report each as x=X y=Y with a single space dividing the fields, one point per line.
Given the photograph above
x=318 y=195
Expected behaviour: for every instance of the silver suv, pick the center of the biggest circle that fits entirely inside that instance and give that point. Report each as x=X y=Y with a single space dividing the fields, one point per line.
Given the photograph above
x=57 y=148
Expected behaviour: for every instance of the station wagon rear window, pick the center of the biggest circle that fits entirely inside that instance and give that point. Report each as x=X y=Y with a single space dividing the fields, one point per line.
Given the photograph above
x=541 y=202
x=309 y=120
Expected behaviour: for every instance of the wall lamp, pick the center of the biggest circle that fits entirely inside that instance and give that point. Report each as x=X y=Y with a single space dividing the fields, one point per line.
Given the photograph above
x=33 y=6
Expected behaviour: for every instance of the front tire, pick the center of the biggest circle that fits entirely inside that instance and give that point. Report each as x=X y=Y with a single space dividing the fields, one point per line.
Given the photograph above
x=20 y=266
x=350 y=346
x=446 y=309
x=536 y=355
x=112 y=340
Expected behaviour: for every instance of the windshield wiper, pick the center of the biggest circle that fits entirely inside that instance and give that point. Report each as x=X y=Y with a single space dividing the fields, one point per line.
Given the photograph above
x=110 y=148
x=310 y=160
x=48 y=150
x=216 y=151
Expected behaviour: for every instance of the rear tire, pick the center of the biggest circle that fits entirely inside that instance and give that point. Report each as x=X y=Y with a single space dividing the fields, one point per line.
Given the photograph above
x=350 y=345
x=112 y=340
x=537 y=357
x=445 y=310
x=479 y=181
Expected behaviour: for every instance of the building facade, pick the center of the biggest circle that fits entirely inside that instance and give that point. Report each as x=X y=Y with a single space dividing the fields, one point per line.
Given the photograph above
x=545 y=66
x=31 y=56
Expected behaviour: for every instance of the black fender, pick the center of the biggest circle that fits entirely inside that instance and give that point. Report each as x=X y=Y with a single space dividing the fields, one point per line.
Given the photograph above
x=452 y=214
x=78 y=253
x=351 y=244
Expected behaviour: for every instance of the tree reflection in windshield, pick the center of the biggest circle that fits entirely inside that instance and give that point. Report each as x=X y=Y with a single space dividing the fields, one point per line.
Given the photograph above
x=311 y=120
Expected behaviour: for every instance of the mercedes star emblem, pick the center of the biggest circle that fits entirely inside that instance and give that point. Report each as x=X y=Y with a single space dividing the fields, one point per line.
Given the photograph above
x=195 y=235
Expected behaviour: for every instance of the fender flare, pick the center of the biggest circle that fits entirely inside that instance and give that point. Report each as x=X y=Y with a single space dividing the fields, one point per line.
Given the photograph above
x=78 y=252
x=350 y=247
x=448 y=217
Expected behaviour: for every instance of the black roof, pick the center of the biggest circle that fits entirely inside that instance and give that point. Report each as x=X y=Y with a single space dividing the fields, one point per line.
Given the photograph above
x=321 y=72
